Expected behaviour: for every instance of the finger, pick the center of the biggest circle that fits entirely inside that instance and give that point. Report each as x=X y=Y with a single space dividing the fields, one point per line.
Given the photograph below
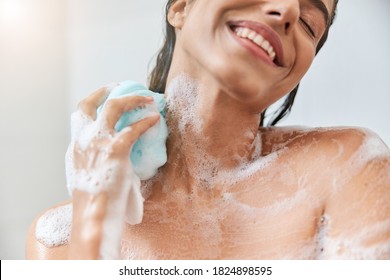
x=89 y=105
x=128 y=136
x=75 y=155
x=114 y=108
x=79 y=122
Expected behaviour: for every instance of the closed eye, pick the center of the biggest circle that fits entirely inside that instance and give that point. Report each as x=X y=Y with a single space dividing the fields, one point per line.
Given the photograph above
x=307 y=27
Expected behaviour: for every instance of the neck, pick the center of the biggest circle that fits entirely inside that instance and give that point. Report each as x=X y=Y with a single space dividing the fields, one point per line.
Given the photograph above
x=209 y=131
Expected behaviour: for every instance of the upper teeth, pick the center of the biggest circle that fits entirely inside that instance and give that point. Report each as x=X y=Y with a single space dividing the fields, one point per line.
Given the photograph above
x=256 y=38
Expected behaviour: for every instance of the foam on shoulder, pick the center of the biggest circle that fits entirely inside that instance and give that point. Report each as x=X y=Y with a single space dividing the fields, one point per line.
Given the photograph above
x=373 y=147
x=53 y=228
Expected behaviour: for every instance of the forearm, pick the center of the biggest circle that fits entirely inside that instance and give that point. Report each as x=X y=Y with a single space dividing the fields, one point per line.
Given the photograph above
x=100 y=176
x=89 y=212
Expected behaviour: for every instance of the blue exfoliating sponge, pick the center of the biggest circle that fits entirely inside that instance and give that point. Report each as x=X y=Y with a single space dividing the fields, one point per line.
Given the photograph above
x=149 y=152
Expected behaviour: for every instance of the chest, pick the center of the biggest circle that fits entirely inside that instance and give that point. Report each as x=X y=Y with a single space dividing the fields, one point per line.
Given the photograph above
x=249 y=222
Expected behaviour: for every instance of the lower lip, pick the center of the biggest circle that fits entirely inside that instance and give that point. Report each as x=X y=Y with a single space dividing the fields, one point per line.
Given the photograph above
x=253 y=49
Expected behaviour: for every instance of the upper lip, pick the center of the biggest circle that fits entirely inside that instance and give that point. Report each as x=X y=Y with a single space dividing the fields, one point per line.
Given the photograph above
x=265 y=31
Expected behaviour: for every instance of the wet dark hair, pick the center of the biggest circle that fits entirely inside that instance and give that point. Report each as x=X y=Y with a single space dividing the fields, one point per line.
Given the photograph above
x=159 y=74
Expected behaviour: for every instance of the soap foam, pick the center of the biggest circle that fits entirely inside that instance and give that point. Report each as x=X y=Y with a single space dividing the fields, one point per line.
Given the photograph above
x=322 y=246
x=372 y=148
x=116 y=177
x=206 y=229
x=125 y=198
x=53 y=228
x=182 y=103
x=353 y=247
x=149 y=151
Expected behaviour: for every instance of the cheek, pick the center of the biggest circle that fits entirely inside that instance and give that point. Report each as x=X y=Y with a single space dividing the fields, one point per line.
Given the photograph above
x=302 y=62
x=196 y=41
x=304 y=59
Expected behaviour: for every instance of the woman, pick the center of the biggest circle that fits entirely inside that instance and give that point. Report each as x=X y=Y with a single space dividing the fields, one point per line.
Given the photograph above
x=229 y=189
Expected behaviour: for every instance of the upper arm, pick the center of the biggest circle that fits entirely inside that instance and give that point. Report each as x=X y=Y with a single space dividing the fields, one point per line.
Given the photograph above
x=357 y=213
x=43 y=235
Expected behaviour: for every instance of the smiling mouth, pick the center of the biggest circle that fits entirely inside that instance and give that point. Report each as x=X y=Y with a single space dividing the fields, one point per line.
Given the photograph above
x=259 y=40
x=247 y=33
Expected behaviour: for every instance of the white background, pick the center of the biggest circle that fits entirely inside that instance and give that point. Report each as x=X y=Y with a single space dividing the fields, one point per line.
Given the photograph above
x=197 y=270
x=55 y=52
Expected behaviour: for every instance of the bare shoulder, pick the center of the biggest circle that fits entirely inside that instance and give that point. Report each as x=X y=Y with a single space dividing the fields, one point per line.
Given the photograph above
x=49 y=233
x=351 y=148
x=344 y=142
x=353 y=168
x=353 y=165
x=344 y=153
x=359 y=209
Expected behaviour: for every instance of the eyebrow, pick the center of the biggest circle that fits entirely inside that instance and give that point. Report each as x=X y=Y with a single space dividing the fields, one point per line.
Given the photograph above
x=322 y=8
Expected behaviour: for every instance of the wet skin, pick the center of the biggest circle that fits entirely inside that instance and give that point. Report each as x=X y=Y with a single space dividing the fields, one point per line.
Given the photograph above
x=280 y=212
x=318 y=194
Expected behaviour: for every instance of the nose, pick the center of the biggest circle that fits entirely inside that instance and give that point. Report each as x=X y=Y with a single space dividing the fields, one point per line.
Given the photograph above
x=283 y=13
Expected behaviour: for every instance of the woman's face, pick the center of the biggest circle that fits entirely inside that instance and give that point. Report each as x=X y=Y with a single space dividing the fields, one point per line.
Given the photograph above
x=257 y=50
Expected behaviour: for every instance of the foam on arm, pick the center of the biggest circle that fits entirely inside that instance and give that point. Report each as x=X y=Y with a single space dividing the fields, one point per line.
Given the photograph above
x=121 y=181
